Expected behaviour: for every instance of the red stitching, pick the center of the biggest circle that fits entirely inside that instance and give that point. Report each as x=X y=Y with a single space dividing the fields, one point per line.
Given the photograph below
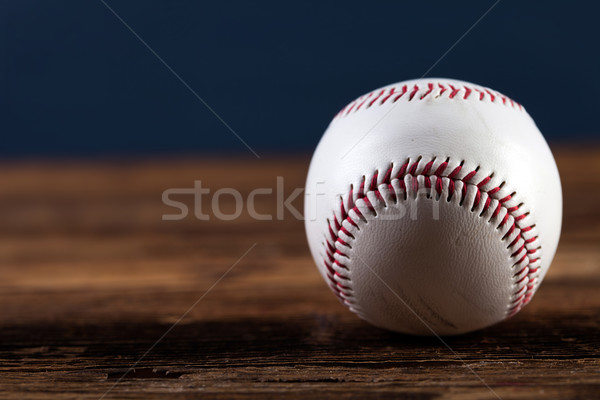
x=370 y=99
x=484 y=181
x=351 y=107
x=339 y=252
x=375 y=99
x=519 y=250
x=402 y=170
x=368 y=203
x=342 y=276
x=497 y=210
x=468 y=91
x=438 y=186
x=521 y=296
x=441 y=169
x=330 y=247
x=518 y=292
x=401 y=93
x=514 y=242
x=487 y=203
x=454 y=91
x=373 y=184
x=413 y=168
x=430 y=86
x=351 y=221
x=481 y=94
x=518 y=300
x=494 y=190
x=392 y=192
x=415 y=185
x=455 y=172
x=427 y=168
x=363 y=102
x=414 y=91
x=477 y=198
x=451 y=188
x=513 y=209
x=392 y=91
x=340 y=241
x=442 y=87
x=337 y=224
x=520 y=217
x=388 y=174
x=345 y=231
x=468 y=177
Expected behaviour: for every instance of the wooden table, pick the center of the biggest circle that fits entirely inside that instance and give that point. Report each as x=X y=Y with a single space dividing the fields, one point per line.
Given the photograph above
x=91 y=277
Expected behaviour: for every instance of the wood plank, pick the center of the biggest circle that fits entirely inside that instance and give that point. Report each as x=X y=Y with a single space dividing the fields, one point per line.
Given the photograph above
x=92 y=276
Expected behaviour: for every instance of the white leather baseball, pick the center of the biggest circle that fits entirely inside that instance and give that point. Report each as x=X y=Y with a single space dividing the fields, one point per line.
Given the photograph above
x=433 y=206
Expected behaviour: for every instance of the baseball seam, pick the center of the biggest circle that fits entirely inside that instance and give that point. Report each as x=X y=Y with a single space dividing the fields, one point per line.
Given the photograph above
x=421 y=92
x=439 y=181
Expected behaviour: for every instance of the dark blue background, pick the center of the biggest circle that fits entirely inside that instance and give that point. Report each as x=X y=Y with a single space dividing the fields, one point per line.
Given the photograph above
x=75 y=81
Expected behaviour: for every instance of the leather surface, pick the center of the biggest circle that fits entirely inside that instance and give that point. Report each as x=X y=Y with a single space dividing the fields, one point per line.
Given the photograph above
x=454 y=272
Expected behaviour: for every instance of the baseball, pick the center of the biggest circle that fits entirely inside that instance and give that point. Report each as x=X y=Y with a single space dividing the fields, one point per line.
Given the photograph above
x=433 y=207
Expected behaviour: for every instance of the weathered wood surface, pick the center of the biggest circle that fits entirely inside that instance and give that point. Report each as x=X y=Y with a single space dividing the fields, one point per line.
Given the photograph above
x=91 y=277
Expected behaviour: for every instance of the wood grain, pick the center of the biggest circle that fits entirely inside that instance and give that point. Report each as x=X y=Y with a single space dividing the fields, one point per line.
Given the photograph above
x=91 y=277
